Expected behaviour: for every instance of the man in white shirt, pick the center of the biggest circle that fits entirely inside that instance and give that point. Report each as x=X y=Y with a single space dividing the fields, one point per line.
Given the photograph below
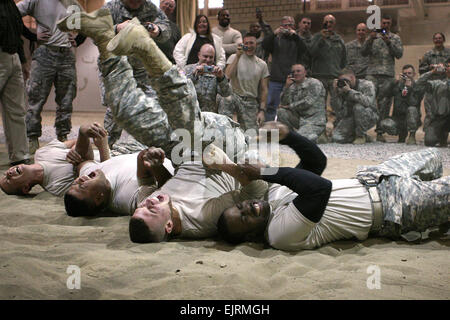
x=231 y=38
x=249 y=79
x=306 y=211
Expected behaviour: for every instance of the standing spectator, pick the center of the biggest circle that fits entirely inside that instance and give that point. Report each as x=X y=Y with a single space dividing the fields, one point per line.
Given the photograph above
x=168 y=7
x=122 y=11
x=355 y=108
x=406 y=111
x=12 y=92
x=53 y=64
x=439 y=54
x=187 y=49
x=248 y=75
x=209 y=80
x=382 y=48
x=287 y=49
x=261 y=30
x=439 y=120
x=355 y=60
x=302 y=105
x=230 y=37
x=304 y=32
x=329 y=57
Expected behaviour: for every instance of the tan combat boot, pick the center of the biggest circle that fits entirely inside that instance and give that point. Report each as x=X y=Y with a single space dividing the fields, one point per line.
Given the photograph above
x=135 y=40
x=411 y=139
x=359 y=140
x=97 y=25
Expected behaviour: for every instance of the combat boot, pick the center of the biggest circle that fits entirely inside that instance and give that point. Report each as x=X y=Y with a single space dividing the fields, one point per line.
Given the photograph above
x=135 y=40
x=411 y=139
x=359 y=140
x=97 y=25
x=380 y=138
x=33 y=144
x=322 y=139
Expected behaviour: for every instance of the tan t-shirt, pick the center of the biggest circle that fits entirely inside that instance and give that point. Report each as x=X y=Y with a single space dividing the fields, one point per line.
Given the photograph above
x=250 y=71
x=348 y=214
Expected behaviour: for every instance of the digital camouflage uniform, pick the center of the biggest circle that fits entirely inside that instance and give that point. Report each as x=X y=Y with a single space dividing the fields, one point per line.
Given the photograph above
x=147 y=13
x=438 y=126
x=425 y=64
x=413 y=193
x=245 y=107
x=355 y=60
x=305 y=112
x=145 y=117
x=406 y=111
x=381 y=68
x=355 y=112
x=208 y=87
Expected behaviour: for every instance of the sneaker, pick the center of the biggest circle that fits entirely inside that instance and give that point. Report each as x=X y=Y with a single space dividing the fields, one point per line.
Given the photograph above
x=359 y=140
x=380 y=138
x=33 y=144
x=62 y=137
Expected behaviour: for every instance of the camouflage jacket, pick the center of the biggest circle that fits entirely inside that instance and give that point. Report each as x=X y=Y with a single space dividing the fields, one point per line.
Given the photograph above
x=355 y=60
x=363 y=93
x=307 y=99
x=329 y=55
x=439 y=92
x=381 y=55
x=404 y=97
x=433 y=57
x=147 y=13
x=208 y=87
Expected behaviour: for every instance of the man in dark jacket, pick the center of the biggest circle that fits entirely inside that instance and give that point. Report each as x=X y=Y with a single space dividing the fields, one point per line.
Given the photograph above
x=287 y=49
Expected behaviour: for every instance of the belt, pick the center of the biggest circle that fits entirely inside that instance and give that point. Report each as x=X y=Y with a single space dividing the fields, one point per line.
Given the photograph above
x=377 y=209
x=58 y=49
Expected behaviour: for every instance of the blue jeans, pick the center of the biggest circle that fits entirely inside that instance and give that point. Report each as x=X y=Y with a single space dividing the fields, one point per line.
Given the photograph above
x=273 y=99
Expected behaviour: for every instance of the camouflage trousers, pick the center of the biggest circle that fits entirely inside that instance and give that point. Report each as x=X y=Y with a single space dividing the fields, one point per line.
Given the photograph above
x=51 y=66
x=143 y=82
x=309 y=127
x=383 y=103
x=246 y=109
x=150 y=119
x=328 y=85
x=437 y=131
x=356 y=124
x=413 y=193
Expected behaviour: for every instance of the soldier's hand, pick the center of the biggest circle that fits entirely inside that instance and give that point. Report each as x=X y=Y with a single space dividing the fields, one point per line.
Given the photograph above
x=218 y=72
x=199 y=69
x=240 y=50
x=289 y=80
x=43 y=35
x=122 y=25
x=152 y=157
x=214 y=157
x=72 y=40
x=260 y=118
x=74 y=157
x=385 y=38
x=155 y=32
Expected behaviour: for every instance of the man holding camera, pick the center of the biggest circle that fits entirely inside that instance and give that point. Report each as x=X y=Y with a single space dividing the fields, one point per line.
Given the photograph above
x=406 y=113
x=439 y=93
x=302 y=106
x=287 y=49
x=382 y=47
x=209 y=80
x=249 y=76
x=355 y=108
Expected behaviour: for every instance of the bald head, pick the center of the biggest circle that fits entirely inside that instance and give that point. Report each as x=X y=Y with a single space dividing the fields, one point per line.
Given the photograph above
x=206 y=54
x=330 y=20
x=361 y=32
x=167 y=6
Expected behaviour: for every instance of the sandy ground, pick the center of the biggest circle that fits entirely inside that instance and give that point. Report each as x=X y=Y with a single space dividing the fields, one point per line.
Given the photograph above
x=38 y=242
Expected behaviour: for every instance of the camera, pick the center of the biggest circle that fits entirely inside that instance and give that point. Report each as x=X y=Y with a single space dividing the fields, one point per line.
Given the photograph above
x=440 y=69
x=208 y=69
x=245 y=48
x=149 y=26
x=291 y=75
x=341 y=83
x=404 y=76
x=382 y=31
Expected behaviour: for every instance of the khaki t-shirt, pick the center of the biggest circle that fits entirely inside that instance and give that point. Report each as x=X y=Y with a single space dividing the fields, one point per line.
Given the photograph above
x=250 y=71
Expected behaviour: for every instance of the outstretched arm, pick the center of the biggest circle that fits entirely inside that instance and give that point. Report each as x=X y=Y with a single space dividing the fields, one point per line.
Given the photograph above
x=150 y=168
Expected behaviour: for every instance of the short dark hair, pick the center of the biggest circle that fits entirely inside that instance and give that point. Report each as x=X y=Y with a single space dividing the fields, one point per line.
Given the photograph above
x=346 y=71
x=80 y=208
x=141 y=233
x=221 y=10
x=407 y=66
x=443 y=36
x=226 y=233
x=305 y=17
x=249 y=34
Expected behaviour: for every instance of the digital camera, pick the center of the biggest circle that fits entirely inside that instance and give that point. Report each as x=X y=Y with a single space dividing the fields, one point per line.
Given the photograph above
x=245 y=48
x=382 y=31
x=149 y=26
x=341 y=83
x=208 y=69
x=440 y=69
